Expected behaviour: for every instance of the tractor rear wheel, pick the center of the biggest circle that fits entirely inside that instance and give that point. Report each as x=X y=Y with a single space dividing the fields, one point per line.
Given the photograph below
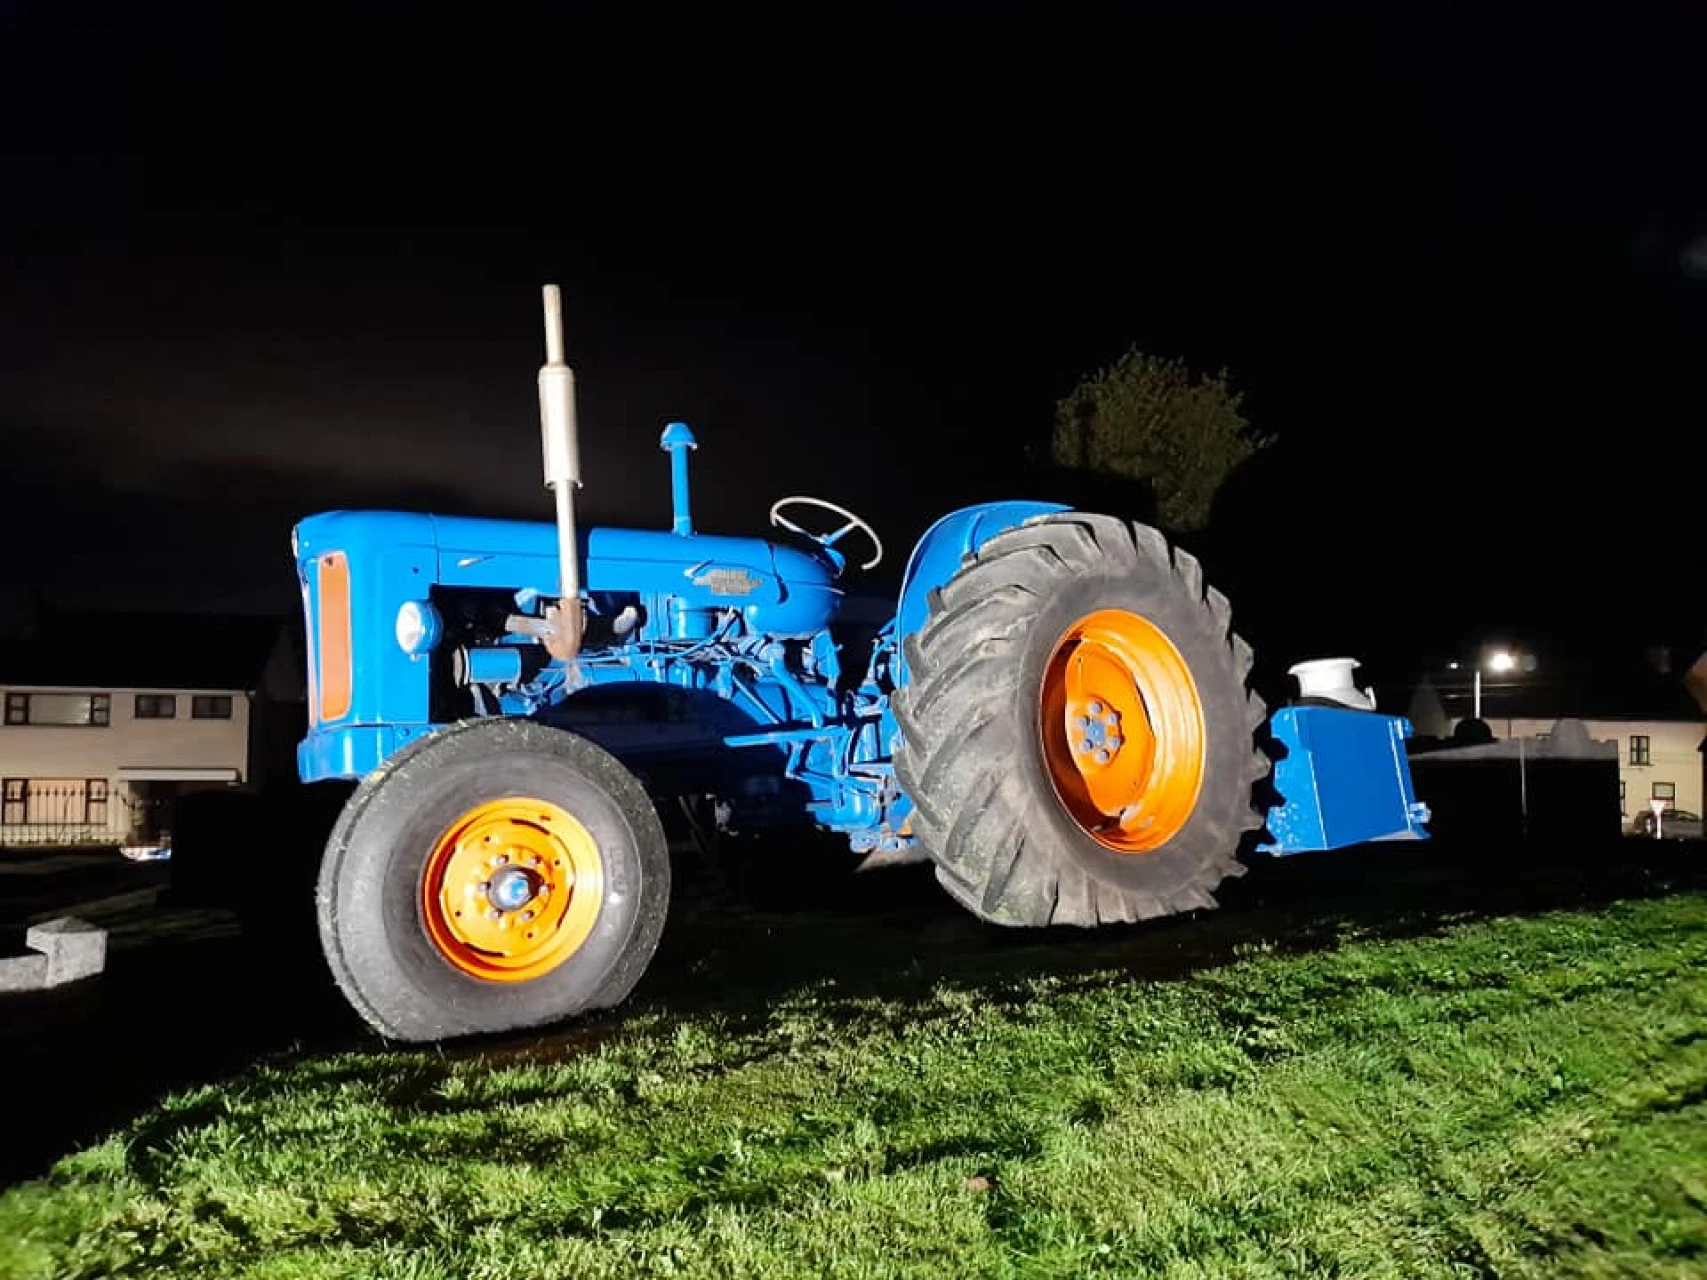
x=495 y=875
x=1077 y=737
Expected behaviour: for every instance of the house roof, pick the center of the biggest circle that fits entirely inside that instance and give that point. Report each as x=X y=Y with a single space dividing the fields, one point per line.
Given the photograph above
x=89 y=649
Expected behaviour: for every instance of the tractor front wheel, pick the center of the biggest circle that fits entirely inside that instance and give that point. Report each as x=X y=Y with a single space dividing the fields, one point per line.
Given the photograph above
x=1077 y=737
x=497 y=874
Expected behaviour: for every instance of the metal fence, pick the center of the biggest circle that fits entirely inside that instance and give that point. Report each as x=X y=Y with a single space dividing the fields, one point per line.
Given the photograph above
x=76 y=813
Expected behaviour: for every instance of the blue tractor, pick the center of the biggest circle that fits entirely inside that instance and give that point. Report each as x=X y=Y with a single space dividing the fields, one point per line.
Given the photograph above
x=1056 y=716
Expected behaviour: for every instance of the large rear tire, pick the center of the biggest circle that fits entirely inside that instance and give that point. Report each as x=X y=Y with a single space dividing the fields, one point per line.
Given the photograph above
x=1077 y=737
x=498 y=874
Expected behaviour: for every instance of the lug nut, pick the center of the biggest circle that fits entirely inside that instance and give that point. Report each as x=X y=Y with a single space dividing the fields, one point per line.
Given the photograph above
x=1102 y=757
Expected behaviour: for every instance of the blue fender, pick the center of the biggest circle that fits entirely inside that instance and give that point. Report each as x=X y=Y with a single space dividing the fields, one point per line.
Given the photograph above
x=941 y=552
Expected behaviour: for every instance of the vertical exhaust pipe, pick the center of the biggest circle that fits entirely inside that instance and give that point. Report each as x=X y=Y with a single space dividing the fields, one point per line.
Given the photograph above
x=562 y=476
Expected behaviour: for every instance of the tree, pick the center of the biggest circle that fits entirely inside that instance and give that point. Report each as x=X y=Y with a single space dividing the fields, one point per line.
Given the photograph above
x=1151 y=420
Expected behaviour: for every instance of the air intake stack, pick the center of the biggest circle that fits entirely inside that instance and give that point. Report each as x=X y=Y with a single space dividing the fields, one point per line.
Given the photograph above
x=563 y=477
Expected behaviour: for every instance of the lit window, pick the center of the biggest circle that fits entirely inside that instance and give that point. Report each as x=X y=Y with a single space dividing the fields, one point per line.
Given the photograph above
x=53 y=802
x=76 y=710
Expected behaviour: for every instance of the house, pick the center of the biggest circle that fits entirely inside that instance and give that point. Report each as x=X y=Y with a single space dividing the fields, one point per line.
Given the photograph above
x=1695 y=680
x=108 y=717
x=1654 y=711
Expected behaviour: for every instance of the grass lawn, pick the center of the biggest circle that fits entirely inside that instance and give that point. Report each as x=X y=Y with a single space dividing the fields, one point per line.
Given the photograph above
x=1521 y=1095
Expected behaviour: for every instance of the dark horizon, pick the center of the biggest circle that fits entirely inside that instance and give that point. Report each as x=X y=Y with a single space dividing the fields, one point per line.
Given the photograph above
x=1458 y=270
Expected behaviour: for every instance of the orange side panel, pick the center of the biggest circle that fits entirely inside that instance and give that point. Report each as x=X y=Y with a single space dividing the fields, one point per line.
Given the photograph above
x=335 y=641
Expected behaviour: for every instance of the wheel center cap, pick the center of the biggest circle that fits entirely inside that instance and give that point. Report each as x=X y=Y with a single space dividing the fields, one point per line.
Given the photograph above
x=512 y=888
x=1094 y=728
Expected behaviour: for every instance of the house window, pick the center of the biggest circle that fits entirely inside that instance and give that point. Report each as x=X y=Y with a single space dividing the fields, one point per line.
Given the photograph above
x=156 y=706
x=14 y=793
x=210 y=706
x=53 y=802
x=1639 y=749
x=1666 y=791
x=65 y=709
x=1623 y=799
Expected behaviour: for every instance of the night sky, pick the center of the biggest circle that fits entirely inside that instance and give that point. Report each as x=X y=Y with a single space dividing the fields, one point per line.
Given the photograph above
x=1459 y=269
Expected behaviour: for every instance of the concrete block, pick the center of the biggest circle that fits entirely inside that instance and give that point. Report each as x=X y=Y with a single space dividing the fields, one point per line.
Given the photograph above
x=23 y=973
x=74 y=949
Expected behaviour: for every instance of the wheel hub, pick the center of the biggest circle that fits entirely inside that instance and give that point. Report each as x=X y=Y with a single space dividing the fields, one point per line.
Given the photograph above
x=1097 y=727
x=511 y=890
x=512 y=887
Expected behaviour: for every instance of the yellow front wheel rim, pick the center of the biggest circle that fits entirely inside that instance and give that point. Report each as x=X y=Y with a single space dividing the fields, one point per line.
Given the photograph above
x=512 y=889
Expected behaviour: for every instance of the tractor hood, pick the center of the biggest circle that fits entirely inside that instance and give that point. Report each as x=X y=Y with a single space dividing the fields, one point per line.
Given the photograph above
x=779 y=589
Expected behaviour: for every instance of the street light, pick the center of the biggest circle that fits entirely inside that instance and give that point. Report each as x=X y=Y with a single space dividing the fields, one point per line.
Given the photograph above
x=1500 y=662
x=1497 y=662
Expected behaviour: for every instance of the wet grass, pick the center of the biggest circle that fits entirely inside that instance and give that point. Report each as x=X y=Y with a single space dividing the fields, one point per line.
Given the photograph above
x=1397 y=1071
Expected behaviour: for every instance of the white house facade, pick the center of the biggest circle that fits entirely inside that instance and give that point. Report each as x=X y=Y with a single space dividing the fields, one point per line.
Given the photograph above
x=1658 y=760
x=82 y=765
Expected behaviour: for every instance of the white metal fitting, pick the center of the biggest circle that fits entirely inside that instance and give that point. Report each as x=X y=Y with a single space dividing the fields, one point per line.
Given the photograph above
x=1330 y=680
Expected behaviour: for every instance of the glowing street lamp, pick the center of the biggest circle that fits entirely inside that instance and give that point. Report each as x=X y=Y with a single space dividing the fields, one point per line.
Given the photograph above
x=1500 y=662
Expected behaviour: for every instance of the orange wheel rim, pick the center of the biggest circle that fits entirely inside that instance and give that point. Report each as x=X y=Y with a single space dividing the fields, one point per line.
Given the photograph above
x=1122 y=730
x=512 y=889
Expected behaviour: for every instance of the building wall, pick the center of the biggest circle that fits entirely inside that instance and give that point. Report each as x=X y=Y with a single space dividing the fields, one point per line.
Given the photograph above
x=1673 y=756
x=68 y=784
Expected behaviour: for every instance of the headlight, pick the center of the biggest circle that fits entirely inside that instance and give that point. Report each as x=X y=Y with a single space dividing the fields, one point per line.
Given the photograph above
x=418 y=627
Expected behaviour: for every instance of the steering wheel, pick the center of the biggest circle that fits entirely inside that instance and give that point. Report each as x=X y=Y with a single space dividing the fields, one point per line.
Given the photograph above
x=827 y=539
